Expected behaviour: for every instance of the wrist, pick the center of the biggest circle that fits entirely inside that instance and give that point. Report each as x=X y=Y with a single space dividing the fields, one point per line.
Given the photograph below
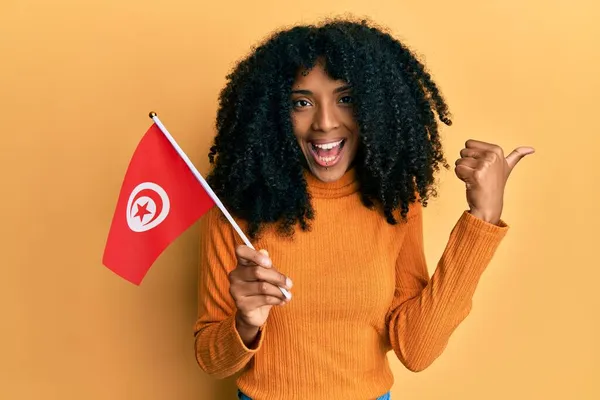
x=248 y=333
x=490 y=218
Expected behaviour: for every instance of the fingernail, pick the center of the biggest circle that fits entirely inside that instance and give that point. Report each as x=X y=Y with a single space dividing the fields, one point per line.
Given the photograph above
x=289 y=283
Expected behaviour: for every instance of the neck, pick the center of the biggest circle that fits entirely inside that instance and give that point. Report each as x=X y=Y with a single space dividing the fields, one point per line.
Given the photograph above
x=346 y=185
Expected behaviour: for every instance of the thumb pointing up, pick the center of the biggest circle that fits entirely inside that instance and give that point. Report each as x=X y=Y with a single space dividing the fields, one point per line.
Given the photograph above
x=485 y=171
x=517 y=155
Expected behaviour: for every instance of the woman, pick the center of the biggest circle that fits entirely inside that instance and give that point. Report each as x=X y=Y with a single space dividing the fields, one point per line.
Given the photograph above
x=326 y=151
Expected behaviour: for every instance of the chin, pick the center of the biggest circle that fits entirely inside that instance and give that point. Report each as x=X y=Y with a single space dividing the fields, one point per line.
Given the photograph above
x=328 y=175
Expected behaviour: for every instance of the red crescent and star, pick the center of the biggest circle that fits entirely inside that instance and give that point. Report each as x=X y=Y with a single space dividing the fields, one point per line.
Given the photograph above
x=142 y=210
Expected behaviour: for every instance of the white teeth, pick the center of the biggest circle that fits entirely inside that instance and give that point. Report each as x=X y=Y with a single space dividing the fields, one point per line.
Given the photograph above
x=327 y=146
x=327 y=159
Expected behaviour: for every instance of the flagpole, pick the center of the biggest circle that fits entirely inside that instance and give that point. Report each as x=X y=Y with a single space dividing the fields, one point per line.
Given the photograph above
x=206 y=186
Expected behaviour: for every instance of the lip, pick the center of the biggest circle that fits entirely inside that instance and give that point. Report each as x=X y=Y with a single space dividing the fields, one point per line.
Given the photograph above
x=325 y=141
x=316 y=158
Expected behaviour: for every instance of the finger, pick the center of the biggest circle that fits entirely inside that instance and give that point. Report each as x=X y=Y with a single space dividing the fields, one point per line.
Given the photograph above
x=266 y=254
x=465 y=173
x=473 y=153
x=254 y=302
x=249 y=257
x=468 y=162
x=517 y=155
x=260 y=288
x=477 y=144
x=270 y=275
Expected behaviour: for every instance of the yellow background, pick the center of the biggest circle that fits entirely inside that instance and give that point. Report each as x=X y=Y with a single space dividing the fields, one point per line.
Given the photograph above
x=77 y=80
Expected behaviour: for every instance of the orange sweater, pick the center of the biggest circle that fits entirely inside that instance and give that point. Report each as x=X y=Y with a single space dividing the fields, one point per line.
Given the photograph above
x=361 y=288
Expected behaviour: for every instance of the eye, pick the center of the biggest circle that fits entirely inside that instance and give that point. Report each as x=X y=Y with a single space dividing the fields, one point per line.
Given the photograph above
x=346 y=100
x=301 y=103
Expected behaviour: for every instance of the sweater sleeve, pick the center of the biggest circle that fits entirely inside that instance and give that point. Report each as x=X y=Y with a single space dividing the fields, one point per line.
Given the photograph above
x=425 y=311
x=220 y=351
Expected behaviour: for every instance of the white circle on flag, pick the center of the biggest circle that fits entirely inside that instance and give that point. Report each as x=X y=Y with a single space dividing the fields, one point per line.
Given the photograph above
x=147 y=207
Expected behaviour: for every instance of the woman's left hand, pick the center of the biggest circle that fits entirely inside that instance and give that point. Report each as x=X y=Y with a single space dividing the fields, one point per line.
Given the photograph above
x=485 y=170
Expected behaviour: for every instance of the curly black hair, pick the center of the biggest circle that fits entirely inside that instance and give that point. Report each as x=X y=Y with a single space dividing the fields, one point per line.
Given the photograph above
x=257 y=163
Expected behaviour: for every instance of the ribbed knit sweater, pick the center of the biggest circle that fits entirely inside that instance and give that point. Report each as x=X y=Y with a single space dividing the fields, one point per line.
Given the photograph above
x=361 y=289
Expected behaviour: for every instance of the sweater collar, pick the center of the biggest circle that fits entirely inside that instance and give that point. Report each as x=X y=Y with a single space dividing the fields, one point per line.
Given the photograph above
x=344 y=186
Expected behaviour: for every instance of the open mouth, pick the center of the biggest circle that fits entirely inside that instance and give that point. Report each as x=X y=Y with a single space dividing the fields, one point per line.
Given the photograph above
x=327 y=154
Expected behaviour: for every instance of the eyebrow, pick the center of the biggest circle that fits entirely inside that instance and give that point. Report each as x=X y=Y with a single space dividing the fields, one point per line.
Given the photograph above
x=309 y=93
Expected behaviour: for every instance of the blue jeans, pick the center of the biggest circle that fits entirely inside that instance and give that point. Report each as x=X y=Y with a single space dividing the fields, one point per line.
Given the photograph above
x=242 y=396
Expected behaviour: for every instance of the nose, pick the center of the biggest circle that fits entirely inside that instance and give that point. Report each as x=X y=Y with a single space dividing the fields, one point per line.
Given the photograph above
x=325 y=119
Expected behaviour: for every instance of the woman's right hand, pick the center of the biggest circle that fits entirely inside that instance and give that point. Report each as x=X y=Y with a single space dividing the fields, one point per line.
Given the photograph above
x=254 y=285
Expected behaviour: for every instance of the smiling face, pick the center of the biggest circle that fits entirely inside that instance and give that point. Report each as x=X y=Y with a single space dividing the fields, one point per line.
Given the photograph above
x=324 y=123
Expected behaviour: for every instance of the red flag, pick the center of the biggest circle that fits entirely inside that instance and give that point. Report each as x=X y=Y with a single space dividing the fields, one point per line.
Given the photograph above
x=160 y=198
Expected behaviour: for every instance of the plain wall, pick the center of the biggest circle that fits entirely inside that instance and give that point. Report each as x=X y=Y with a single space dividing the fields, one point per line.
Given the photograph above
x=77 y=80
